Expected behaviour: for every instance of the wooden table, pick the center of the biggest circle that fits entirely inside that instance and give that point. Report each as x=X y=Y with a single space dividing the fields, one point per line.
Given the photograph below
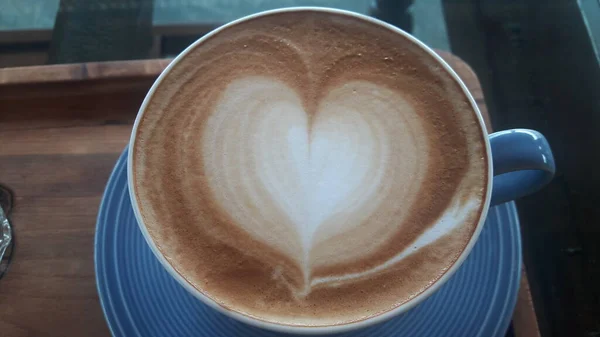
x=62 y=128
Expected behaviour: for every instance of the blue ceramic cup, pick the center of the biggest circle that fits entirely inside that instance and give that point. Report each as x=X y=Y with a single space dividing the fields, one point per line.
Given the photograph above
x=519 y=162
x=522 y=163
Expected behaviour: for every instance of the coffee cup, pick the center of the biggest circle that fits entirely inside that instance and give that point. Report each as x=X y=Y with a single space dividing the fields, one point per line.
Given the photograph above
x=315 y=171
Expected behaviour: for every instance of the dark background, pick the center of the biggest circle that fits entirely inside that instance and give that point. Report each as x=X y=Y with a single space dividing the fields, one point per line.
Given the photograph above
x=539 y=70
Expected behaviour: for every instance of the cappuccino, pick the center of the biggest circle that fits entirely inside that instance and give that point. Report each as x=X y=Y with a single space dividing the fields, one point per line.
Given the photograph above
x=309 y=168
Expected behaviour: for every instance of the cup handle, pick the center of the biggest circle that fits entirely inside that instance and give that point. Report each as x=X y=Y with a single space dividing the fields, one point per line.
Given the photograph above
x=522 y=161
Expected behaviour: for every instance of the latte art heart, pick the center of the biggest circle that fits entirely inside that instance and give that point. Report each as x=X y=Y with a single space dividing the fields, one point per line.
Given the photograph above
x=309 y=169
x=297 y=181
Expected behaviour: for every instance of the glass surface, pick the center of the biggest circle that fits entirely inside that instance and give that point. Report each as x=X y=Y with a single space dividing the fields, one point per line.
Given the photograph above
x=537 y=61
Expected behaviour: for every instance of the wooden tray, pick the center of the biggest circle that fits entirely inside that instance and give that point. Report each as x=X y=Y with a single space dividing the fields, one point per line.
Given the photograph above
x=62 y=128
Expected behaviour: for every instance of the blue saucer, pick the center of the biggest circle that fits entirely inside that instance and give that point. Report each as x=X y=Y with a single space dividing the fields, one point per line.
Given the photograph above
x=139 y=298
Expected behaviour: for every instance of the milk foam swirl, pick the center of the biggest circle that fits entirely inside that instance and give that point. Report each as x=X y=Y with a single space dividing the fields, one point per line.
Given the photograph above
x=309 y=169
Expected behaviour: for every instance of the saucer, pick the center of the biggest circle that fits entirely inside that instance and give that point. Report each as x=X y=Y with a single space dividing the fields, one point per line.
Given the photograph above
x=139 y=297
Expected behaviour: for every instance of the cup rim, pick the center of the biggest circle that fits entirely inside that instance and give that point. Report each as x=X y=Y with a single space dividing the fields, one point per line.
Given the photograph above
x=326 y=329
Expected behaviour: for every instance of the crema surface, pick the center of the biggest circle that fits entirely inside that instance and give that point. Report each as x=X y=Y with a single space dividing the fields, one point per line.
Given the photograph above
x=309 y=168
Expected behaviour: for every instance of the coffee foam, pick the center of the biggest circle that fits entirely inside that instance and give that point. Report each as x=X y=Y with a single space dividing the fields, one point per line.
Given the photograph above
x=309 y=169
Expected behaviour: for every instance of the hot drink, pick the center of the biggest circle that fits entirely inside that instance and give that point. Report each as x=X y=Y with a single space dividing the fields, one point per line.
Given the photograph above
x=309 y=168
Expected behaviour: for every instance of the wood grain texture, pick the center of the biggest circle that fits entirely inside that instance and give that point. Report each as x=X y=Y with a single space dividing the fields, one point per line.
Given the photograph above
x=524 y=319
x=83 y=71
x=61 y=130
